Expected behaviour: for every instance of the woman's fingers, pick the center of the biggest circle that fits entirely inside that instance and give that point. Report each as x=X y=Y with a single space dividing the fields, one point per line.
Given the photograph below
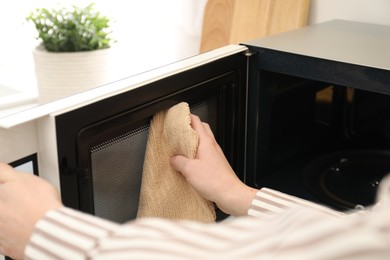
x=202 y=128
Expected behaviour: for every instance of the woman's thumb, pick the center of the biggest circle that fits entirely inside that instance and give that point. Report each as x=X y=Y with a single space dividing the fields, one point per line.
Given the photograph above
x=179 y=162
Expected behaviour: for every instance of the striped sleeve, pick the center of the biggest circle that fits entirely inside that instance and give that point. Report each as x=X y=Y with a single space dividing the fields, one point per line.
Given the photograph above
x=288 y=228
x=268 y=201
x=67 y=234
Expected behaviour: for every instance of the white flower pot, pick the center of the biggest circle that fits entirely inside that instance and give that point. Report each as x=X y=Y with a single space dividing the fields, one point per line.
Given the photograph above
x=60 y=74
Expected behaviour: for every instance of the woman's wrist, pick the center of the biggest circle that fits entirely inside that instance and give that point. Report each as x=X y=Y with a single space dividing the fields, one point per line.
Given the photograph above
x=238 y=200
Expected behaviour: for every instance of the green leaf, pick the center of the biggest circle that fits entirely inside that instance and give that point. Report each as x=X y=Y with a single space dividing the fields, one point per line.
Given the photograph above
x=71 y=29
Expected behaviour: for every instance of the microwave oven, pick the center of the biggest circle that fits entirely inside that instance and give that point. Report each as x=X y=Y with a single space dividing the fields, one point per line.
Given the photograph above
x=304 y=112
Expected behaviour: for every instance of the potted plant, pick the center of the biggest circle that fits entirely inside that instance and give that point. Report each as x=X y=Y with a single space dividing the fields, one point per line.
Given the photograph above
x=74 y=50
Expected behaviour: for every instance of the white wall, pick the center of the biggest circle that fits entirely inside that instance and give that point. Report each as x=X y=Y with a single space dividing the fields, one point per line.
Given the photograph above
x=370 y=11
x=149 y=34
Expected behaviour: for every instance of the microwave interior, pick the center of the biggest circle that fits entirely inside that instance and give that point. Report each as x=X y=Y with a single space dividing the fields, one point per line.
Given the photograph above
x=323 y=142
x=319 y=127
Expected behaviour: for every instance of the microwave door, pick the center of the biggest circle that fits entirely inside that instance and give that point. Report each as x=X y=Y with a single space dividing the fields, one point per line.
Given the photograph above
x=101 y=145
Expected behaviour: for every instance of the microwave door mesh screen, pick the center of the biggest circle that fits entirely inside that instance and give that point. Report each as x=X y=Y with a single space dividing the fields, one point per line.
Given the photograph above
x=116 y=175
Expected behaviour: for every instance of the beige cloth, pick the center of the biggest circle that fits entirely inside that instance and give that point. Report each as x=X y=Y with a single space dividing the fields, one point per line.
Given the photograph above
x=164 y=192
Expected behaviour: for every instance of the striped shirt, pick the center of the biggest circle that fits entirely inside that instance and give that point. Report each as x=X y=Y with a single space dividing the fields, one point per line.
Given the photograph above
x=278 y=226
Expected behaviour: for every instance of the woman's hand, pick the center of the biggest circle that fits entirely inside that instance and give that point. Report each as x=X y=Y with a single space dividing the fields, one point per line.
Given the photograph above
x=211 y=174
x=24 y=199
